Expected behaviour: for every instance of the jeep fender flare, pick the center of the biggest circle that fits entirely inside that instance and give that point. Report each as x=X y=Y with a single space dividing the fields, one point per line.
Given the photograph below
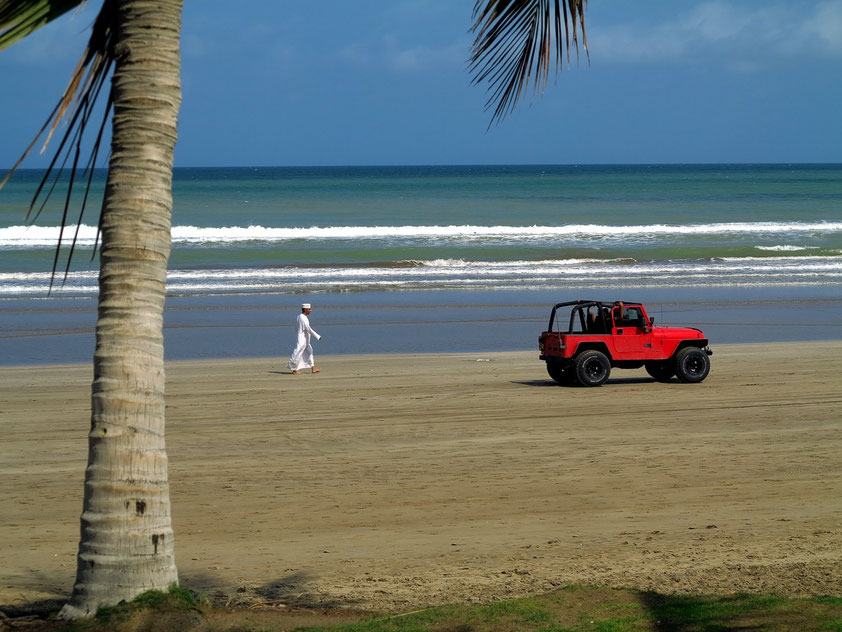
x=701 y=343
x=595 y=346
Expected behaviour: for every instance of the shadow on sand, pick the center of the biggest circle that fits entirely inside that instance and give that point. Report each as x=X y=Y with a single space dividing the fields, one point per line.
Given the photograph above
x=612 y=382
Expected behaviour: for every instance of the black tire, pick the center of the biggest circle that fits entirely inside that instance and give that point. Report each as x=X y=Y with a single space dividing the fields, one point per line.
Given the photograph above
x=661 y=371
x=592 y=368
x=562 y=372
x=692 y=365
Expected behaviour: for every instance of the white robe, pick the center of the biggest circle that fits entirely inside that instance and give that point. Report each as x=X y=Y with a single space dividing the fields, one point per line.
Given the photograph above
x=302 y=355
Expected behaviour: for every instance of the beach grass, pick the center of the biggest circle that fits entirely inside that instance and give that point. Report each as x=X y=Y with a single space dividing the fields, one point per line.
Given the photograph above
x=580 y=609
x=570 y=609
x=175 y=599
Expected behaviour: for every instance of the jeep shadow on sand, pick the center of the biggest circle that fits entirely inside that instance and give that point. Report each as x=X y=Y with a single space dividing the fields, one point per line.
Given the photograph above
x=600 y=336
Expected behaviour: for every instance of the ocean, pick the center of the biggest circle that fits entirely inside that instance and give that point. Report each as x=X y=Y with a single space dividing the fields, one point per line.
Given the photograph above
x=399 y=259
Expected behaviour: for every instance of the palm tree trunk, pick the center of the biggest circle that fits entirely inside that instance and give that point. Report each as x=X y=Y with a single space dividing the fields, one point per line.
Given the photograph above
x=126 y=544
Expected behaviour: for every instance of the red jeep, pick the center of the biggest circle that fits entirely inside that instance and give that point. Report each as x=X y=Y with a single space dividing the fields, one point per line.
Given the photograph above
x=619 y=334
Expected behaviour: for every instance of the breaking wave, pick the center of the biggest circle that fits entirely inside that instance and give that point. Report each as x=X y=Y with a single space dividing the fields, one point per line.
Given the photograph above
x=463 y=274
x=47 y=236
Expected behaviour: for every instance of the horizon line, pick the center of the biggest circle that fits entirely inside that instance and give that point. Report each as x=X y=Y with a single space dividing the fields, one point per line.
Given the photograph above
x=512 y=164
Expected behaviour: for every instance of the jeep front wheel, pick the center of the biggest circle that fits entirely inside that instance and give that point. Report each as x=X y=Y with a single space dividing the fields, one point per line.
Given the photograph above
x=592 y=368
x=661 y=371
x=692 y=364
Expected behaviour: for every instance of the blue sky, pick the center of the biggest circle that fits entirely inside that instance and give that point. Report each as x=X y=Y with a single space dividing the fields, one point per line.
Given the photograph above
x=376 y=82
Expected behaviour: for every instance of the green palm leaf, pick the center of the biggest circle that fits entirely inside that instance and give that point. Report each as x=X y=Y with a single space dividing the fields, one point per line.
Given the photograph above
x=518 y=41
x=20 y=18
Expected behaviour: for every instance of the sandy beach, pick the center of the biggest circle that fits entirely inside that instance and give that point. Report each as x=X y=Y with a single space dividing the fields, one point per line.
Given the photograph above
x=390 y=482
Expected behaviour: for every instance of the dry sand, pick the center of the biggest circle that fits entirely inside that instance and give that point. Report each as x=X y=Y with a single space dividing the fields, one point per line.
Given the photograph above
x=390 y=482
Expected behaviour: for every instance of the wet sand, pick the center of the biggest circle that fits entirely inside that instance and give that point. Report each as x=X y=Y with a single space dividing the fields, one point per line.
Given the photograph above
x=391 y=482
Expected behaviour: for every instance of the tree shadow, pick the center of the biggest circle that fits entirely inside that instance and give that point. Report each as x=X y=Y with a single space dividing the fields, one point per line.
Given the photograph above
x=292 y=590
x=286 y=593
x=59 y=585
x=692 y=613
x=40 y=608
x=289 y=591
x=285 y=603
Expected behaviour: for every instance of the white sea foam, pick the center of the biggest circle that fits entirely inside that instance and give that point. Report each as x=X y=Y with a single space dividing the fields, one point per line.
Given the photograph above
x=47 y=236
x=786 y=248
x=458 y=273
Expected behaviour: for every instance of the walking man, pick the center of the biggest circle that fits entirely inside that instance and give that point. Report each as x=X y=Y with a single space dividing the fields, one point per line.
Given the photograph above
x=302 y=355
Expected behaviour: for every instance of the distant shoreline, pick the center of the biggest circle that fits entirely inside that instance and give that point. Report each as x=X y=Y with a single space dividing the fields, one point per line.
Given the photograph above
x=60 y=331
x=278 y=362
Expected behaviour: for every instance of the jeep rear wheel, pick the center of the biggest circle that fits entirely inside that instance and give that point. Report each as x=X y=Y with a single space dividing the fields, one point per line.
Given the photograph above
x=692 y=365
x=661 y=371
x=592 y=368
x=561 y=372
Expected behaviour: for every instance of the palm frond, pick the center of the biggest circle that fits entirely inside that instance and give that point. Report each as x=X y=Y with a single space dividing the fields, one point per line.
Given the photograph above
x=19 y=18
x=77 y=104
x=518 y=42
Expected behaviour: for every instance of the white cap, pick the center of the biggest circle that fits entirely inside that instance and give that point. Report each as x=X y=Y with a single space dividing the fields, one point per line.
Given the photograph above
x=305 y=305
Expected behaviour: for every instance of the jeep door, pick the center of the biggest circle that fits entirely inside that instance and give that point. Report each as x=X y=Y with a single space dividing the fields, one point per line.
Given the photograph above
x=631 y=339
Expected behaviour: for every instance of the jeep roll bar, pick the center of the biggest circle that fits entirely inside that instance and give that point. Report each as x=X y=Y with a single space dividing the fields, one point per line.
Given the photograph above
x=583 y=303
